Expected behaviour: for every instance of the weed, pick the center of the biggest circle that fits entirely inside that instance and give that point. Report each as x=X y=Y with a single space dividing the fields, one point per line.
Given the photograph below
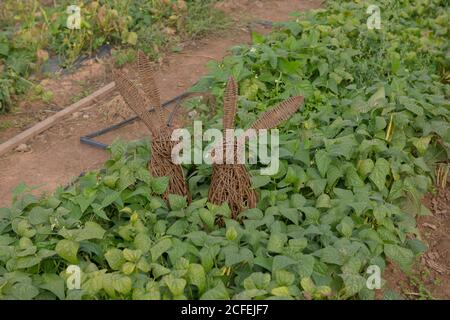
x=5 y=124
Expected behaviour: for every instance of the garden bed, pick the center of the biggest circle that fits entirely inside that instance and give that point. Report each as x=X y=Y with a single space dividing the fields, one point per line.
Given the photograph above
x=355 y=164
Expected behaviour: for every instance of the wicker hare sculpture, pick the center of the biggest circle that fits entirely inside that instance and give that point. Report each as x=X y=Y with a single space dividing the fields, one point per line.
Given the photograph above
x=161 y=145
x=231 y=182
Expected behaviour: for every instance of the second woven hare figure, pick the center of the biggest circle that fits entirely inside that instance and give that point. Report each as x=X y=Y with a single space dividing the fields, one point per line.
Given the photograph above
x=231 y=183
x=161 y=145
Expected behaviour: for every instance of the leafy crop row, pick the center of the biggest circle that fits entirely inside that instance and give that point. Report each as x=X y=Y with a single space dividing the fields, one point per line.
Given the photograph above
x=355 y=163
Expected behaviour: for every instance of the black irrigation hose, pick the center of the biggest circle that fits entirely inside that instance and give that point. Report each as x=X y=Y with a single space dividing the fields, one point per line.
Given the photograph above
x=88 y=139
x=265 y=23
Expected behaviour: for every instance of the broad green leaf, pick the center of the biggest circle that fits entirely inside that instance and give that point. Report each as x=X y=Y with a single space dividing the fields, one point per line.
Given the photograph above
x=323 y=201
x=39 y=215
x=352 y=266
x=421 y=144
x=264 y=262
x=284 y=278
x=365 y=167
x=176 y=286
x=379 y=173
x=353 y=283
x=142 y=242
x=231 y=234
x=307 y=285
x=276 y=242
x=317 y=186
x=257 y=280
x=90 y=231
x=24 y=291
x=352 y=179
x=417 y=246
x=234 y=255
x=345 y=227
x=23 y=228
x=402 y=256
x=260 y=181
x=126 y=179
x=54 y=284
x=143 y=265
x=281 y=262
x=330 y=255
x=68 y=249
x=159 y=270
x=131 y=255
x=207 y=256
x=207 y=217
x=280 y=291
x=377 y=97
x=333 y=175
x=122 y=284
x=323 y=291
x=159 y=184
x=26 y=262
x=305 y=266
x=118 y=149
x=298 y=244
x=323 y=160
x=177 y=202
x=291 y=176
x=110 y=197
x=159 y=248
x=291 y=214
x=219 y=292
x=178 y=228
x=196 y=276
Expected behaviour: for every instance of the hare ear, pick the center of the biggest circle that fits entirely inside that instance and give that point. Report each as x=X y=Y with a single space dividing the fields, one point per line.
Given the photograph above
x=230 y=104
x=133 y=98
x=278 y=114
x=146 y=77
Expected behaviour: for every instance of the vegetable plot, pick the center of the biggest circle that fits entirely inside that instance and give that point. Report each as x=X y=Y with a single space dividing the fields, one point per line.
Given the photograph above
x=354 y=165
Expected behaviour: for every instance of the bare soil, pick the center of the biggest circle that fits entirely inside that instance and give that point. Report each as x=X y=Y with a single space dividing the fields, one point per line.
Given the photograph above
x=430 y=278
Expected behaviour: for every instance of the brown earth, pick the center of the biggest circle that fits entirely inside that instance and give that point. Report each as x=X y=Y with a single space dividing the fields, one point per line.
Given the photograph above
x=430 y=278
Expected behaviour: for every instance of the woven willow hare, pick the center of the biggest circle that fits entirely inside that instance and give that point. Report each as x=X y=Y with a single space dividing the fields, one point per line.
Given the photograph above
x=231 y=182
x=161 y=145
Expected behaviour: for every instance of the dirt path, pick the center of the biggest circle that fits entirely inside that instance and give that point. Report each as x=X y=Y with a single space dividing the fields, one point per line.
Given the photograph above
x=57 y=156
x=430 y=277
